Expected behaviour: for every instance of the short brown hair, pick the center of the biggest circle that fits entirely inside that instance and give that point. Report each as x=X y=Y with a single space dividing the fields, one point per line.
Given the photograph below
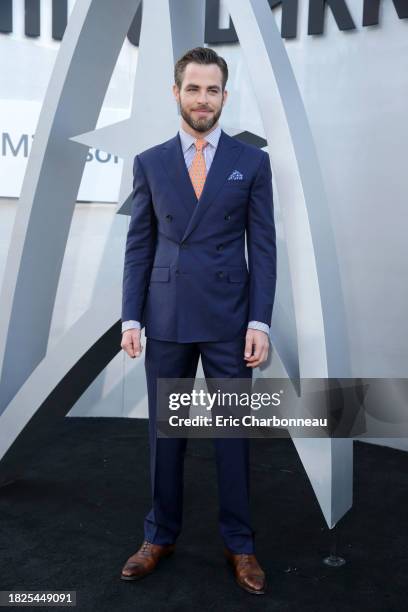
x=200 y=55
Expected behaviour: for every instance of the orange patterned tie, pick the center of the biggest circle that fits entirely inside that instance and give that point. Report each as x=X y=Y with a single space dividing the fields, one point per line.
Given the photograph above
x=197 y=169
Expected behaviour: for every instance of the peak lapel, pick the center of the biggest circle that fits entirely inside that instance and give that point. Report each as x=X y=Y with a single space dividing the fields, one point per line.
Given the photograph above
x=173 y=161
x=225 y=157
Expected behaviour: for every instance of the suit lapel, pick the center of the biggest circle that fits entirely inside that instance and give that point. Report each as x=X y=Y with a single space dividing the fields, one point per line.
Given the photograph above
x=173 y=159
x=225 y=157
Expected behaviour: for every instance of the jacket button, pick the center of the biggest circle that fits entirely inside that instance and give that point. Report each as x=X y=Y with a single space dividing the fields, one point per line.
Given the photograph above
x=227 y=217
x=220 y=247
x=169 y=217
x=184 y=245
x=177 y=271
x=220 y=274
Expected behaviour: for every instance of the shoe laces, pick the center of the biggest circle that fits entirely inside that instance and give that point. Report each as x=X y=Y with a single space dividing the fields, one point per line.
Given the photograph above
x=146 y=547
x=245 y=559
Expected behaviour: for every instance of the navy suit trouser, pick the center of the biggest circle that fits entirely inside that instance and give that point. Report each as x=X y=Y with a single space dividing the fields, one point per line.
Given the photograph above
x=162 y=525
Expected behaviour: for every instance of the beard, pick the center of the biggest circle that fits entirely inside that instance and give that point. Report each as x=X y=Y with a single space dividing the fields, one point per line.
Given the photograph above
x=202 y=124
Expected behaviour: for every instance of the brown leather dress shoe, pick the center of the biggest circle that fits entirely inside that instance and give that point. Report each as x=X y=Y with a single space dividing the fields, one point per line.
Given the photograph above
x=247 y=571
x=144 y=561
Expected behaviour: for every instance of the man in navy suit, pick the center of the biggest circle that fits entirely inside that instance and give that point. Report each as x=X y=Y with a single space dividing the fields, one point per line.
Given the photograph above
x=186 y=280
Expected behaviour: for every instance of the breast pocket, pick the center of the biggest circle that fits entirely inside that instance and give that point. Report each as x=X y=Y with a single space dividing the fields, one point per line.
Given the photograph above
x=236 y=191
x=237 y=185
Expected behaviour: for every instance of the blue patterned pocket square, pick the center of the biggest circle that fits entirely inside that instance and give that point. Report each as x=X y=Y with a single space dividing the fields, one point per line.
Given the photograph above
x=235 y=176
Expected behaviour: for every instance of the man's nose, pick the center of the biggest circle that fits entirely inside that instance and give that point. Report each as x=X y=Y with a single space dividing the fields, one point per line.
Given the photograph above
x=202 y=97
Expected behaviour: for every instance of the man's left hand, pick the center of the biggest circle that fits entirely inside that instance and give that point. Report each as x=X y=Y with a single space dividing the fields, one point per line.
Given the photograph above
x=256 y=347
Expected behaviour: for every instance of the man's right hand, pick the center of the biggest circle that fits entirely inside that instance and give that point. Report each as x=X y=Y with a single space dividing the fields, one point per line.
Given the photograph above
x=131 y=342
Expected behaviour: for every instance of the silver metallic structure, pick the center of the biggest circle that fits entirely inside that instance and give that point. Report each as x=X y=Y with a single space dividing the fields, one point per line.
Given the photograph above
x=309 y=332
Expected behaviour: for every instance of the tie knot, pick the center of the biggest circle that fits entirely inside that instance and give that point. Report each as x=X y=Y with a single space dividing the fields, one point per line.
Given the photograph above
x=200 y=144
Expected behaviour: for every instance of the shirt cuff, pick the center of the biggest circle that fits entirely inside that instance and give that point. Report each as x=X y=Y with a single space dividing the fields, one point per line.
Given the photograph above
x=258 y=325
x=130 y=325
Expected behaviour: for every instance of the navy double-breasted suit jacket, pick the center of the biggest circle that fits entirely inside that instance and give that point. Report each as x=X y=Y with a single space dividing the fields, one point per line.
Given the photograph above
x=186 y=277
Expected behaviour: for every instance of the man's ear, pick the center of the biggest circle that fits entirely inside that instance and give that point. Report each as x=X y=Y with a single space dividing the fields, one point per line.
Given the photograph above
x=176 y=92
x=225 y=96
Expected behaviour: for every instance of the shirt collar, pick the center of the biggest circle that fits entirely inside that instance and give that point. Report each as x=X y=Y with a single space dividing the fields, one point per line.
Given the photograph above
x=187 y=139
